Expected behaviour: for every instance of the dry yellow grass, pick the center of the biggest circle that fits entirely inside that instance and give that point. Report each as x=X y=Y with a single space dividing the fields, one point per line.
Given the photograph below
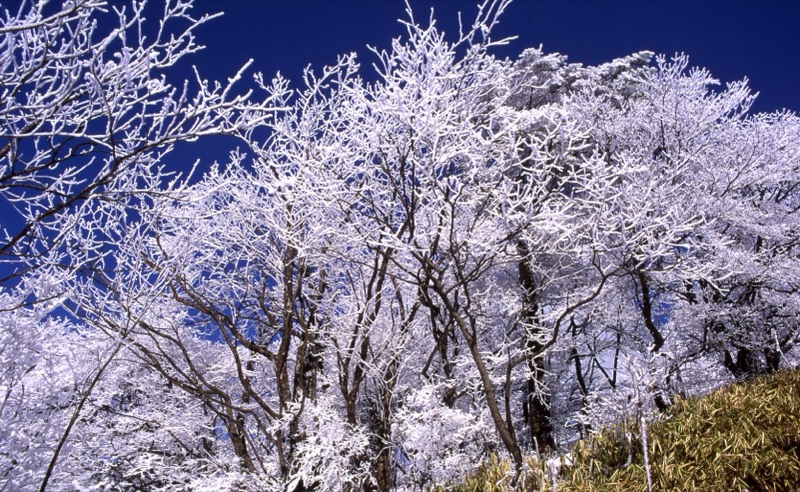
x=742 y=437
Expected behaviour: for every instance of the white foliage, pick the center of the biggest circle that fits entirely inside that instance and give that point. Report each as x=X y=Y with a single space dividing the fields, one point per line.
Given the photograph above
x=436 y=444
x=325 y=457
x=391 y=281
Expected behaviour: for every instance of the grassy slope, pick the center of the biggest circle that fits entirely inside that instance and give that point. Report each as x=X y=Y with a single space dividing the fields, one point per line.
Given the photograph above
x=742 y=437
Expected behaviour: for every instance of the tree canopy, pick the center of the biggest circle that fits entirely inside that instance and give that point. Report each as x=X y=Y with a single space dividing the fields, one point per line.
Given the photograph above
x=389 y=281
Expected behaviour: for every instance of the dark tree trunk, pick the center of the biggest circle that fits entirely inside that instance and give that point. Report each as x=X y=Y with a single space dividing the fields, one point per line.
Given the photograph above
x=747 y=363
x=536 y=407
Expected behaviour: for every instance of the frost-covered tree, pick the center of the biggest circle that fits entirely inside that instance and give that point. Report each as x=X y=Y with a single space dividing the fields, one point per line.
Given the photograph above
x=393 y=281
x=87 y=117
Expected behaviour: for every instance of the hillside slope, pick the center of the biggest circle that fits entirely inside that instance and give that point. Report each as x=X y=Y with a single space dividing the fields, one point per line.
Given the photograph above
x=741 y=437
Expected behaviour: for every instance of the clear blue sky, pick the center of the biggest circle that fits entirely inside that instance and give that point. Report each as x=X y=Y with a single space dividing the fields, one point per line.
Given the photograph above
x=734 y=39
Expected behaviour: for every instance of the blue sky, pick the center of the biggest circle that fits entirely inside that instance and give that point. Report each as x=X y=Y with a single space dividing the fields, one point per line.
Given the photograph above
x=733 y=39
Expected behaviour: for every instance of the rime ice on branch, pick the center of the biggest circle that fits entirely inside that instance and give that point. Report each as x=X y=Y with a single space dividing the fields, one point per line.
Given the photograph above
x=389 y=282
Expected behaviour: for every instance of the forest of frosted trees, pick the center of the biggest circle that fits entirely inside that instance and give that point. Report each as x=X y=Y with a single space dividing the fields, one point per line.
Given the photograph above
x=389 y=282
